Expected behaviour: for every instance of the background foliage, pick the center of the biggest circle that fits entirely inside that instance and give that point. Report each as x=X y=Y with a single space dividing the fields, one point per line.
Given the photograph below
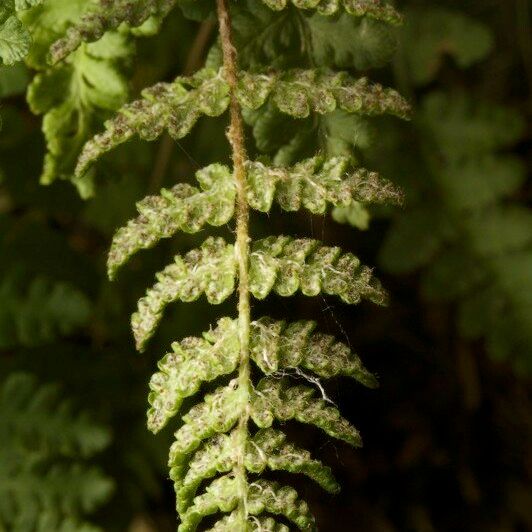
x=448 y=434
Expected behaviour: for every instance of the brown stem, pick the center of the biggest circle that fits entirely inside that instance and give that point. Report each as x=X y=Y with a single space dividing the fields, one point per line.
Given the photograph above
x=235 y=135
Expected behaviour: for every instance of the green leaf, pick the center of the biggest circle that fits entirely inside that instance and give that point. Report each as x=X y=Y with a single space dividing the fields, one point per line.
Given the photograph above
x=39 y=312
x=175 y=107
x=277 y=346
x=347 y=42
x=267 y=449
x=105 y=16
x=192 y=362
x=217 y=413
x=274 y=400
x=46 y=481
x=74 y=97
x=210 y=269
x=264 y=497
x=314 y=183
x=432 y=33
x=15 y=40
x=285 y=265
x=183 y=207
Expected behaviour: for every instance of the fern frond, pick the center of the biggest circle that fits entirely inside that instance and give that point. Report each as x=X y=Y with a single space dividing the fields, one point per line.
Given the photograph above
x=254 y=524
x=46 y=481
x=281 y=263
x=375 y=9
x=108 y=15
x=217 y=413
x=314 y=183
x=183 y=207
x=267 y=449
x=174 y=107
x=274 y=399
x=210 y=269
x=264 y=497
x=38 y=311
x=15 y=39
x=193 y=361
x=284 y=264
x=214 y=437
x=275 y=346
x=297 y=92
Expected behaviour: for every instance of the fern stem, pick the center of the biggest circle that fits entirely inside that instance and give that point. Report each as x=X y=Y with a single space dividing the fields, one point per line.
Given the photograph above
x=235 y=136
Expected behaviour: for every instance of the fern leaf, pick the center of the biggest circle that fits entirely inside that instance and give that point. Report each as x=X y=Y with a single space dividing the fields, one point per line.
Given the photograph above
x=276 y=346
x=105 y=16
x=273 y=346
x=281 y=263
x=210 y=269
x=275 y=399
x=264 y=496
x=193 y=361
x=221 y=495
x=72 y=97
x=217 y=413
x=284 y=264
x=298 y=92
x=254 y=524
x=375 y=9
x=182 y=208
x=15 y=40
x=315 y=182
x=175 y=107
x=38 y=311
x=267 y=449
x=46 y=483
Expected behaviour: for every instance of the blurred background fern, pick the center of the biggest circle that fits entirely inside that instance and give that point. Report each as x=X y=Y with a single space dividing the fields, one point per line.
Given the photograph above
x=449 y=434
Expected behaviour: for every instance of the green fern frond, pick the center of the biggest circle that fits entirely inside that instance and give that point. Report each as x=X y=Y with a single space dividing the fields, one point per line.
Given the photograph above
x=46 y=482
x=193 y=361
x=375 y=9
x=210 y=269
x=279 y=263
x=215 y=436
x=254 y=524
x=108 y=15
x=274 y=346
x=216 y=414
x=284 y=264
x=267 y=449
x=183 y=207
x=38 y=311
x=15 y=39
x=274 y=399
x=73 y=97
x=176 y=107
x=314 y=183
x=264 y=497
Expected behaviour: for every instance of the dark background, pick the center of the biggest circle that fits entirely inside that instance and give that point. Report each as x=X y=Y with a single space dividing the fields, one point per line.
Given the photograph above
x=448 y=435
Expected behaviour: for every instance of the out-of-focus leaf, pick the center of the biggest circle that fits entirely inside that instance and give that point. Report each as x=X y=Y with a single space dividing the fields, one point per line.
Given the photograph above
x=432 y=33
